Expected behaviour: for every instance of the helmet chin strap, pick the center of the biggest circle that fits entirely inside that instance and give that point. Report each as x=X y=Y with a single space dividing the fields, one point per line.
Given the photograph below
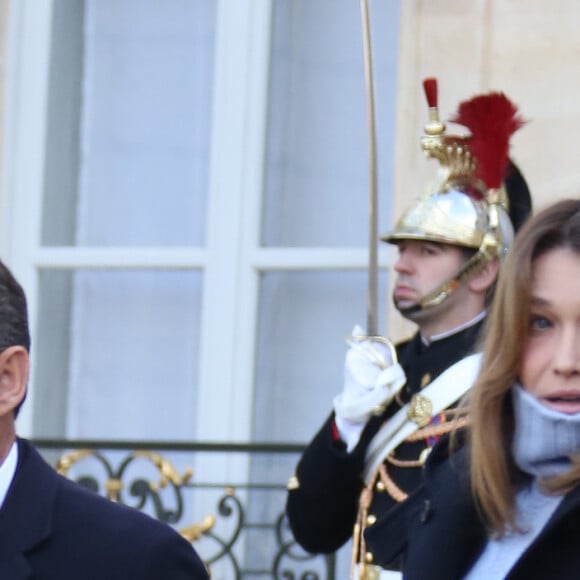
x=487 y=251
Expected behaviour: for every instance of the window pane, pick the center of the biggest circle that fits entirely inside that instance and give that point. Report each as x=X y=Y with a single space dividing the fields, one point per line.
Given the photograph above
x=305 y=318
x=133 y=340
x=142 y=172
x=317 y=166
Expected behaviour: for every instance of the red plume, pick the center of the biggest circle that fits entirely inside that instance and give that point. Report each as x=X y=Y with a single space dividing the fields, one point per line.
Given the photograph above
x=430 y=88
x=491 y=119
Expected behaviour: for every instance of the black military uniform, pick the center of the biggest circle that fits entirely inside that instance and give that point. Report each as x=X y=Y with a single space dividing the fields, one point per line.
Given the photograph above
x=322 y=508
x=477 y=200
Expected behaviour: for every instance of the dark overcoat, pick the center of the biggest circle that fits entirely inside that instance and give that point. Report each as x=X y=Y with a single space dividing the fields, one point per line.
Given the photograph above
x=54 y=529
x=439 y=534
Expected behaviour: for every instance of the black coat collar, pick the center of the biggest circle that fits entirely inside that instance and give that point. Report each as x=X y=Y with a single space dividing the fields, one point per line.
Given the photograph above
x=32 y=492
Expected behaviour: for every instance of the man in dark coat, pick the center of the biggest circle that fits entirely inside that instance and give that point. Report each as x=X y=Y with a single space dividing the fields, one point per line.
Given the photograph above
x=365 y=460
x=50 y=527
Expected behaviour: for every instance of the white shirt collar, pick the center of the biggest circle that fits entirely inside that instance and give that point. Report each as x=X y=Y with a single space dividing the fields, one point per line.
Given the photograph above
x=7 y=471
x=442 y=335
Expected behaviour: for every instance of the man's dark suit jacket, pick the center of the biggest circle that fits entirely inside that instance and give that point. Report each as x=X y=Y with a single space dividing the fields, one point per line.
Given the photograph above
x=53 y=529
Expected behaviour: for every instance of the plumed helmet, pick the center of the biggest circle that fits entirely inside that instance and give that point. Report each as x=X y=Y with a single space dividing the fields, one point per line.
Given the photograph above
x=479 y=196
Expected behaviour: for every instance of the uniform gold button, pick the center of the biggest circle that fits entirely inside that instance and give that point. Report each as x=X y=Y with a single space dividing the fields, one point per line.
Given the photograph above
x=424 y=454
x=293 y=483
x=380 y=486
x=371 y=519
x=369 y=557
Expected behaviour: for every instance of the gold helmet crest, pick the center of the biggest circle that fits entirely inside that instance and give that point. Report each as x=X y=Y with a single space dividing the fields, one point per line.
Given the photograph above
x=469 y=203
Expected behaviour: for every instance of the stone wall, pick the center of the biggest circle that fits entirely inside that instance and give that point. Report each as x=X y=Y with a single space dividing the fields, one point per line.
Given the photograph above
x=529 y=49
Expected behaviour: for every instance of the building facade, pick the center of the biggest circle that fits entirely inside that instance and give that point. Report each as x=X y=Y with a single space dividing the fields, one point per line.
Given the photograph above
x=184 y=195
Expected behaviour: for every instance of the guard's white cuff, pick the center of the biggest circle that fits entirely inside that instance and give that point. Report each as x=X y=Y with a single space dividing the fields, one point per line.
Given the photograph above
x=349 y=432
x=357 y=407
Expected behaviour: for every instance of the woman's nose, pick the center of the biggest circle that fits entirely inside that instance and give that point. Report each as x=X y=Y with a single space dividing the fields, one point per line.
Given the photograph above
x=567 y=353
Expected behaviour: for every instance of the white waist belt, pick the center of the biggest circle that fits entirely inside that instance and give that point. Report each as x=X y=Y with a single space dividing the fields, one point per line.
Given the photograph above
x=447 y=388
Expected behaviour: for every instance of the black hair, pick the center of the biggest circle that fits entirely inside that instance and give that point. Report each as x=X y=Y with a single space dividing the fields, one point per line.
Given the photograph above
x=14 y=329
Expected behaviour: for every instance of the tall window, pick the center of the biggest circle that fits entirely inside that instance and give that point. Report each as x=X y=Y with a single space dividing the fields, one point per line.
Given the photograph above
x=126 y=180
x=201 y=206
x=187 y=208
x=186 y=205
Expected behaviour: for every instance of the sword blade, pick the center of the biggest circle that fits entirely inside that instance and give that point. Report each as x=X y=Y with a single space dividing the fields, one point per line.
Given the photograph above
x=373 y=277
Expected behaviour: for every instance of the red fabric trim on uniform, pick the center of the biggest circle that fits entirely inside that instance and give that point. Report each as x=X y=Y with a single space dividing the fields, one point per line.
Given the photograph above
x=335 y=433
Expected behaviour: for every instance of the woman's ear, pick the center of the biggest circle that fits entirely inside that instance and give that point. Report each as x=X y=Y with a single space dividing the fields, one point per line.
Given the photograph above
x=14 y=368
x=485 y=277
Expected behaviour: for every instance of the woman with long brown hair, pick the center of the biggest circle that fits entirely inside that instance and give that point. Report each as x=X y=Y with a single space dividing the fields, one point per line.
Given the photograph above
x=502 y=500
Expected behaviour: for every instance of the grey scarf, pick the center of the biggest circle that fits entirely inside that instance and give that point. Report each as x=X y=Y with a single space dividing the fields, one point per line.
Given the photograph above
x=544 y=439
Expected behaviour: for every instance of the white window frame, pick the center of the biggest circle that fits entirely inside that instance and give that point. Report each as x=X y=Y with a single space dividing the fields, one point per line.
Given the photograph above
x=237 y=159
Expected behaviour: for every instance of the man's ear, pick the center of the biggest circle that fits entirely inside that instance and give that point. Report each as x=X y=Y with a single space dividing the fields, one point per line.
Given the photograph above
x=485 y=277
x=14 y=367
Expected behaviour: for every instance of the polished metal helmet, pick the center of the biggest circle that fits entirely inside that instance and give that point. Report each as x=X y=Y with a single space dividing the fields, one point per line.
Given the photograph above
x=478 y=197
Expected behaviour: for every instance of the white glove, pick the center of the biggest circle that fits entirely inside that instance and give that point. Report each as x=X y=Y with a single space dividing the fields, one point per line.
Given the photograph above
x=371 y=381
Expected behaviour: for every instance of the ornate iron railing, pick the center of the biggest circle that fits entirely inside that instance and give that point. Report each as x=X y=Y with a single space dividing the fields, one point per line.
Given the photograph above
x=243 y=533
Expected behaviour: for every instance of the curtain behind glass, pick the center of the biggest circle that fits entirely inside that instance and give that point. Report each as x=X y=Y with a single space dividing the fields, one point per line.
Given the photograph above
x=316 y=196
x=143 y=182
x=317 y=167
x=146 y=122
x=146 y=74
